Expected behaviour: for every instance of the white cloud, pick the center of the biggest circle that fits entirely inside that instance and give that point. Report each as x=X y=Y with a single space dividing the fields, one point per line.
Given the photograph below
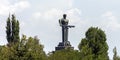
x=63 y=3
x=70 y=2
x=74 y=11
x=37 y=15
x=22 y=4
x=52 y=13
x=55 y=13
x=7 y=7
x=110 y=21
x=60 y=7
x=74 y=14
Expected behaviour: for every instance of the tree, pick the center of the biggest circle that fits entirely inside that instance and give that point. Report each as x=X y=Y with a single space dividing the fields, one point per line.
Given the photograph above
x=8 y=30
x=12 y=29
x=15 y=29
x=34 y=50
x=85 y=51
x=115 y=57
x=65 y=54
x=94 y=45
x=30 y=49
x=26 y=49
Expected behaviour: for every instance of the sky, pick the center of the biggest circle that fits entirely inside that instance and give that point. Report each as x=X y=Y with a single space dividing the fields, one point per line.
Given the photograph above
x=40 y=18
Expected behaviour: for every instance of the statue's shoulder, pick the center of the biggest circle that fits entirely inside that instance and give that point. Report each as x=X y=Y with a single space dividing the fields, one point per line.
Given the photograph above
x=67 y=19
x=61 y=19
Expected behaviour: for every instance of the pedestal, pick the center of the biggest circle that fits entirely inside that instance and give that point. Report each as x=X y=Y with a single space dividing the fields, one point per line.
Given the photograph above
x=63 y=45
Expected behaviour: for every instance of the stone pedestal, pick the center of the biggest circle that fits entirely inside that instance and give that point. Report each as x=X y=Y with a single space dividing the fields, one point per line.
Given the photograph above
x=64 y=45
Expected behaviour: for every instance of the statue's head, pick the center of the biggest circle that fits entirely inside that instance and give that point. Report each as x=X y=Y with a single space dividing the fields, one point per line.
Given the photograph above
x=64 y=16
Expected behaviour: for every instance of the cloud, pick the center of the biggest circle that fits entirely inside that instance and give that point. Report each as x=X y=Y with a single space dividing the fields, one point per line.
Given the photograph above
x=63 y=3
x=37 y=15
x=7 y=7
x=54 y=12
x=74 y=14
x=110 y=21
x=50 y=14
x=22 y=4
x=70 y=2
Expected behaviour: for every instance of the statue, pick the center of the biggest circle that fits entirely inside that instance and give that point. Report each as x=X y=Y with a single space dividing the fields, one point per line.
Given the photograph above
x=64 y=24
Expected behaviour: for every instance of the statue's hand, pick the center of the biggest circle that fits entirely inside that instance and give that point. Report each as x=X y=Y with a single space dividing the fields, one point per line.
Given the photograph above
x=71 y=26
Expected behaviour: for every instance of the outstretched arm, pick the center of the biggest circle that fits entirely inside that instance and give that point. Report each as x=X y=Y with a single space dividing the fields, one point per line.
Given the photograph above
x=70 y=26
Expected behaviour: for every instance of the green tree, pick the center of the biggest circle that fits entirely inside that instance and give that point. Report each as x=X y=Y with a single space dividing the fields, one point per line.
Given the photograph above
x=94 y=45
x=115 y=57
x=8 y=30
x=26 y=49
x=6 y=53
x=66 y=54
x=30 y=49
x=34 y=49
x=85 y=51
x=12 y=29
x=15 y=29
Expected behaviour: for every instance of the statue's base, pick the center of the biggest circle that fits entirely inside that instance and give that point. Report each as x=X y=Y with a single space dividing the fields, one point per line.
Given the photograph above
x=63 y=45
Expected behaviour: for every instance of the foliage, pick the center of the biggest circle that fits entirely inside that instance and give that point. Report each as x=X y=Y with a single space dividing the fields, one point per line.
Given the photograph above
x=15 y=29
x=26 y=49
x=12 y=29
x=8 y=30
x=66 y=54
x=115 y=57
x=94 y=46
